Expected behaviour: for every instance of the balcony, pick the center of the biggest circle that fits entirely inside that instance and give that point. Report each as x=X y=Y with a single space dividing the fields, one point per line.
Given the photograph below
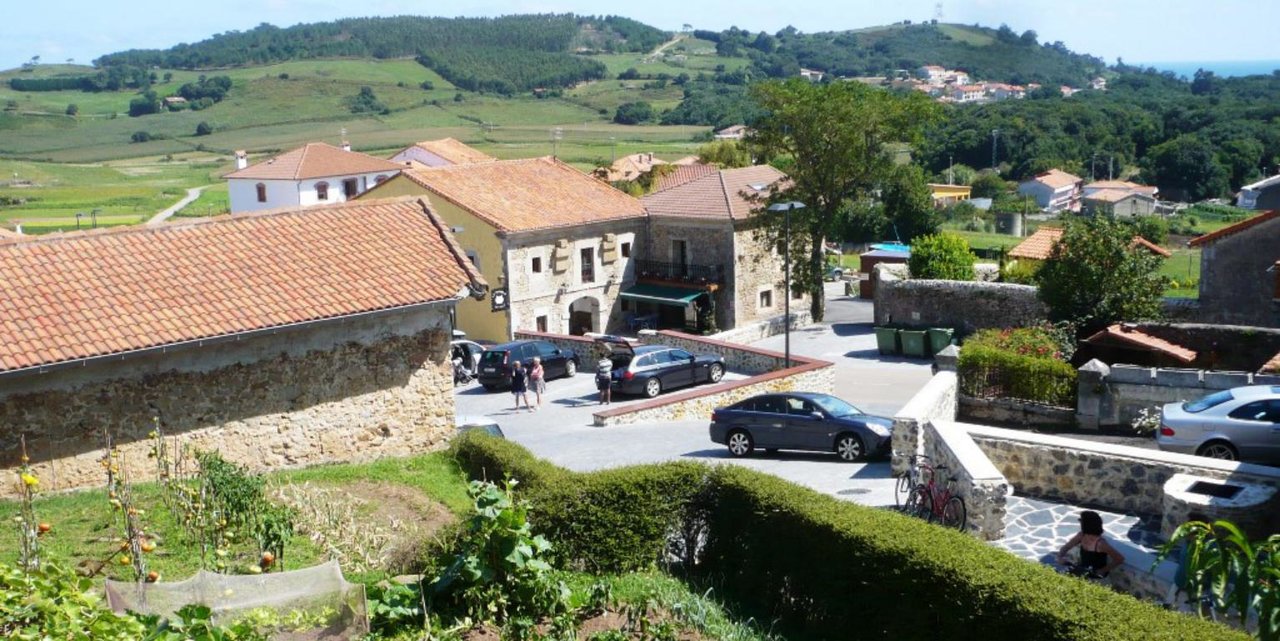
x=658 y=271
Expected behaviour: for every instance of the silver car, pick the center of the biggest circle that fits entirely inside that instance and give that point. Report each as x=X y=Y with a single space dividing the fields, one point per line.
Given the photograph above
x=1240 y=424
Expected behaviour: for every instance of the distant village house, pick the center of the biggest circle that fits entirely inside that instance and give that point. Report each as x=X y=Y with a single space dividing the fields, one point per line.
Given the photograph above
x=314 y=174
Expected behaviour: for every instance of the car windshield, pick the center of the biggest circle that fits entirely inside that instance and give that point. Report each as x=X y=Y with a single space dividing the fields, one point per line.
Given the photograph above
x=492 y=357
x=1212 y=400
x=835 y=406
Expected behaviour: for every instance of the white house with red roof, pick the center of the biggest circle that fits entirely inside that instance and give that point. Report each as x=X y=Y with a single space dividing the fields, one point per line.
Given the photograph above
x=1054 y=190
x=314 y=174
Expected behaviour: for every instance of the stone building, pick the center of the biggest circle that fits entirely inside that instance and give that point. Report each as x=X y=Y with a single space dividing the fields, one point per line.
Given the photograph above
x=278 y=339
x=557 y=241
x=703 y=251
x=1240 y=272
x=314 y=174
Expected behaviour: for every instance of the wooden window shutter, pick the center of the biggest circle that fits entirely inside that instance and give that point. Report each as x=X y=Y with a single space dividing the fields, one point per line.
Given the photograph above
x=609 y=249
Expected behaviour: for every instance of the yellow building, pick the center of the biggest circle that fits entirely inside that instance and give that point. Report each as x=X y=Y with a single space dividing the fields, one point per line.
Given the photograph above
x=945 y=195
x=558 y=242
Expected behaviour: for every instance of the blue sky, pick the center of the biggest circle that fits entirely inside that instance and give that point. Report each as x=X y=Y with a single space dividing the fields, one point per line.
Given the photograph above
x=1137 y=30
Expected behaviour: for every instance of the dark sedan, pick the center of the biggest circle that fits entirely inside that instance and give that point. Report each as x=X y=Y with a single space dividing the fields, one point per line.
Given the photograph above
x=496 y=361
x=800 y=421
x=649 y=370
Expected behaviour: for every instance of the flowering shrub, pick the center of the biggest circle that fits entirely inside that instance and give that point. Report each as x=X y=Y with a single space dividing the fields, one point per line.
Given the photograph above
x=1026 y=363
x=1147 y=421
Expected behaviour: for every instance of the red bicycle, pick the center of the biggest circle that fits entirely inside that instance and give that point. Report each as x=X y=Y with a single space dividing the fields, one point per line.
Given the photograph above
x=937 y=502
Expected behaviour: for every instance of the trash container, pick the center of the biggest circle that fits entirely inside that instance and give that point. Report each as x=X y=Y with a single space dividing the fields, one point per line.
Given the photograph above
x=914 y=342
x=939 y=338
x=887 y=340
x=848 y=288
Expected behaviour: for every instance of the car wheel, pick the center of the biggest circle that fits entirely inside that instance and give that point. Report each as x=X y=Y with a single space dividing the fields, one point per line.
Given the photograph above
x=740 y=443
x=849 y=448
x=715 y=372
x=1219 y=450
x=570 y=369
x=652 y=387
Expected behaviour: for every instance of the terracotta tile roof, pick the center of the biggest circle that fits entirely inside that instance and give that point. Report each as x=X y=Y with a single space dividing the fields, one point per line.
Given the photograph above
x=1057 y=179
x=1139 y=241
x=1234 y=229
x=1272 y=366
x=1115 y=195
x=454 y=151
x=1127 y=336
x=630 y=167
x=1038 y=245
x=682 y=174
x=1122 y=185
x=716 y=195
x=64 y=297
x=9 y=233
x=527 y=194
x=315 y=160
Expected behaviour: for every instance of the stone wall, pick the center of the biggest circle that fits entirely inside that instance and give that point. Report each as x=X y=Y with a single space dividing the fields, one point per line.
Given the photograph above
x=738 y=358
x=1238 y=278
x=708 y=241
x=1220 y=347
x=807 y=376
x=761 y=330
x=1115 y=395
x=758 y=266
x=587 y=349
x=962 y=305
x=351 y=390
x=1114 y=477
x=1014 y=413
x=984 y=490
x=935 y=401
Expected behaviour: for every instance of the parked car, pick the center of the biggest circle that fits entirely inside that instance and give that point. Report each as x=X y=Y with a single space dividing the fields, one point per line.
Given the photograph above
x=484 y=424
x=834 y=272
x=649 y=370
x=496 y=361
x=465 y=355
x=1239 y=424
x=800 y=421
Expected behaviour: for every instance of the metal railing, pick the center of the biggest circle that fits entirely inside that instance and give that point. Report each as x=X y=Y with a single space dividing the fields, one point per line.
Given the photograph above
x=679 y=272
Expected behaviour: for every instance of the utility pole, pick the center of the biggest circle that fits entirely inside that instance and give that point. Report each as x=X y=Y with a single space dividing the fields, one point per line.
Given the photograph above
x=1092 y=162
x=951 y=175
x=1110 y=176
x=994 y=134
x=556 y=134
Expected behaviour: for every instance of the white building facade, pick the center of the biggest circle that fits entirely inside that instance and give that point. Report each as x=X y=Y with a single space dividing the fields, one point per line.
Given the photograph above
x=316 y=174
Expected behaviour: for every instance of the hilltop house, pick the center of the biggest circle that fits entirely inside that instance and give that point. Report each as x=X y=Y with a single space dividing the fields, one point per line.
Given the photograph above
x=1261 y=195
x=629 y=168
x=1118 y=199
x=703 y=254
x=1054 y=190
x=441 y=153
x=276 y=339
x=1240 y=272
x=314 y=174
x=556 y=241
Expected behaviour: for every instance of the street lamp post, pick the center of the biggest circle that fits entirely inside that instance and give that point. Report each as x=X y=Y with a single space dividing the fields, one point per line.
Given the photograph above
x=786 y=208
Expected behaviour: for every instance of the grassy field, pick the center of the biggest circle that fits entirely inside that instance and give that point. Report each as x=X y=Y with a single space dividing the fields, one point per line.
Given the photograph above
x=1183 y=267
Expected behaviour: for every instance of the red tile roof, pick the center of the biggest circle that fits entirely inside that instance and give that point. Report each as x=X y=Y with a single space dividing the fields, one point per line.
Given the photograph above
x=1234 y=229
x=681 y=174
x=1139 y=241
x=527 y=194
x=1272 y=366
x=723 y=194
x=315 y=160
x=454 y=151
x=1127 y=336
x=65 y=297
x=1038 y=245
x=1057 y=179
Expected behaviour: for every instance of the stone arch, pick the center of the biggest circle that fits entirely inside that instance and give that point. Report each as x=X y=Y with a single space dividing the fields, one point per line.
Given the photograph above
x=584 y=315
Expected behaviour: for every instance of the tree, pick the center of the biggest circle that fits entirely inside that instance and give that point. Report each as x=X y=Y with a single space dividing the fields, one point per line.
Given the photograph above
x=941 y=257
x=725 y=153
x=630 y=74
x=841 y=138
x=73 y=109
x=1186 y=167
x=204 y=129
x=147 y=103
x=633 y=113
x=908 y=203
x=988 y=184
x=140 y=136
x=1095 y=277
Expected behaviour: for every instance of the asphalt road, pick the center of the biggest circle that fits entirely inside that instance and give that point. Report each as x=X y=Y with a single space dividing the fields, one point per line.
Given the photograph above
x=562 y=432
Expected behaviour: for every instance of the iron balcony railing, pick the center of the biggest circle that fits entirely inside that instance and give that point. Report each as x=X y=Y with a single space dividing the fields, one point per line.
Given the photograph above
x=679 y=272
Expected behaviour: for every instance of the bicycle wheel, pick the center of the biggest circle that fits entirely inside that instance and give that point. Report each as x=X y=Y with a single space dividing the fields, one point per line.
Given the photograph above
x=954 y=513
x=917 y=504
x=902 y=489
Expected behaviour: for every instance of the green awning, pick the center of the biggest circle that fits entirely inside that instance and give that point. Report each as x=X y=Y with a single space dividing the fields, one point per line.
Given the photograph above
x=661 y=295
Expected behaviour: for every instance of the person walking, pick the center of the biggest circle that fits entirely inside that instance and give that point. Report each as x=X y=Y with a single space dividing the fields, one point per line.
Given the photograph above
x=537 y=381
x=604 y=372
x=520 y=385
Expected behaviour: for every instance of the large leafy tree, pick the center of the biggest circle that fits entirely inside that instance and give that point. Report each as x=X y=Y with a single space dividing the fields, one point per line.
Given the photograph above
x=1095 y=276
x=1187 y=168
x=841 y=139
x=908 y=203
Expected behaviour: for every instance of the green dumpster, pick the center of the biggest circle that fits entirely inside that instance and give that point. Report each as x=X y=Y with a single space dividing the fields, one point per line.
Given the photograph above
x=939 y=338
x=914 y=342
x=887 y=340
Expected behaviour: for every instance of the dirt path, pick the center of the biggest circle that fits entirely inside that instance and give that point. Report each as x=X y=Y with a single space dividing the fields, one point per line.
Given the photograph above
x=192 y=195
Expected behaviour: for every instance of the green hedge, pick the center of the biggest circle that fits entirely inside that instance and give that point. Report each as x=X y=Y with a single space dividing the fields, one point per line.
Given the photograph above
x=826 y=568
x=991 y=372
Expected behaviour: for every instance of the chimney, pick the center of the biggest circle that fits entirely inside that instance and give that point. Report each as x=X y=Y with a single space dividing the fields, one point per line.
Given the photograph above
x=346 y=146
x=242 y=159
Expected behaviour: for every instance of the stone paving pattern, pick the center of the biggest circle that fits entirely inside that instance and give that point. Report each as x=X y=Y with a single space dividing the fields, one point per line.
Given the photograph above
x=1035 y=528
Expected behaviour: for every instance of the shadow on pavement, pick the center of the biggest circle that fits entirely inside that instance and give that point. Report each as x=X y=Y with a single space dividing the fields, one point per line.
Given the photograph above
x=876 y=468
x=852 y=329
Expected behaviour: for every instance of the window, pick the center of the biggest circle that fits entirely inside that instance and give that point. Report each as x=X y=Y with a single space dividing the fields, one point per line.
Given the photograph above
x=771 y=404
x=799 y=407
x=1255 y=411
x=626 y=253
x=541 y=322
x=474 y=258
x=766 y=299
x=262 y=192
x=322 y=191
x=350 y=188
x=379 y=180
x=679 y=254
x=536 y=265
x=680 y=356
x=1213 y=400
x=587 y=256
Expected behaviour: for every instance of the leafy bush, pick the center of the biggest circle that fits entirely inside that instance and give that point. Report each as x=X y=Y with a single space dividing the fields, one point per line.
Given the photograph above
x=633 y=113
x=1021 y=272
x=204 y=128
x=140 y=136
x=367 y=102
x=829 y=569
x=73 y=109
x=990 y=372
x=942 y=257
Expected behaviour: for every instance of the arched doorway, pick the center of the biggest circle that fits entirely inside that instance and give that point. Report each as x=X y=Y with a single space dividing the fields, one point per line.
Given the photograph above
x=583 y=314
